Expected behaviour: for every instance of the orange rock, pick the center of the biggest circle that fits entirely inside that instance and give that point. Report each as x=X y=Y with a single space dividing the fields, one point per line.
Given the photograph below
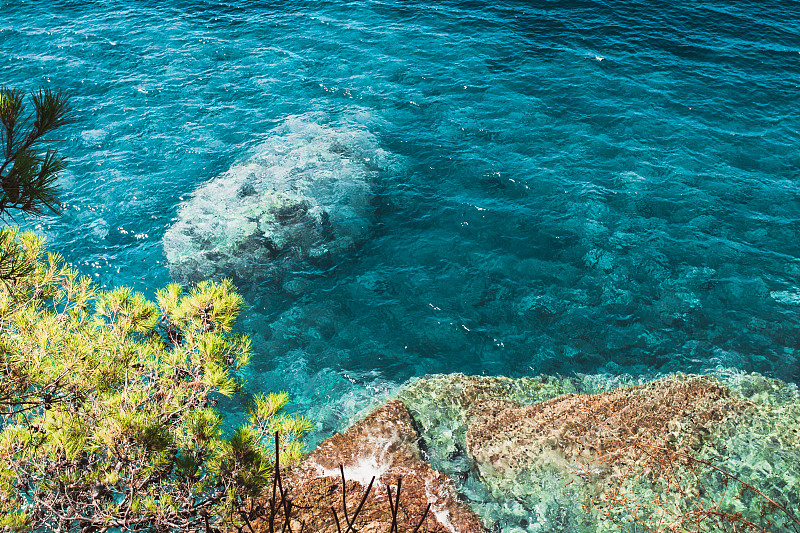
x=383 y=445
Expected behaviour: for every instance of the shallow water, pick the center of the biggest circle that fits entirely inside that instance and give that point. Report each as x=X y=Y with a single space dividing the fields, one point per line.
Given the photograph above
x=581 y=188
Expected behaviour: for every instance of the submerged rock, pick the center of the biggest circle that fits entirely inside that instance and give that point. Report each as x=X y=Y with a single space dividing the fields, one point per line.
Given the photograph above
x=439 y=405
x=605 y=433
x=561 y=454
x=551 y=454
x=383 y=445
x=305 y=194
x=614 y=448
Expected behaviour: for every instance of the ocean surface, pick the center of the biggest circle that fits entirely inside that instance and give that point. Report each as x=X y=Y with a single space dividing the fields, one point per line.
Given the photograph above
x=575 y=187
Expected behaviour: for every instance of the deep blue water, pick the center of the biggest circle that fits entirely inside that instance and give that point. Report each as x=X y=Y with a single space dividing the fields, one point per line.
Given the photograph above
x=581 y=186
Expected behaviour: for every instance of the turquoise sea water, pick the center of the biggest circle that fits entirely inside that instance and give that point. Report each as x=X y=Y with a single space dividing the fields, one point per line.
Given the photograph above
x=577 y=187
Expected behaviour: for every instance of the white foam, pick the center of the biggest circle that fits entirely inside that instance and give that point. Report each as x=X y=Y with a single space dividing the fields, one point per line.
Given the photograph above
x=374 y=464
x=786 y=297
x=440 y=512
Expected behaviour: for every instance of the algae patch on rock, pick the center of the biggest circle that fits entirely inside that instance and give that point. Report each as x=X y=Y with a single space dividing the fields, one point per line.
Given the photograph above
x=439 y=405
x=305 y=193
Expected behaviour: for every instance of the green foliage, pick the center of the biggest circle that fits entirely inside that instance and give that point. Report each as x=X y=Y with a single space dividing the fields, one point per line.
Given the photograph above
x=28 y=173
x=107 y=416
x=265 y=415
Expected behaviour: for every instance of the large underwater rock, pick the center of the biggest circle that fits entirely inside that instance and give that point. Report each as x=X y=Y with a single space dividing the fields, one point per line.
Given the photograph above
x=383 y=445
x=306 y=193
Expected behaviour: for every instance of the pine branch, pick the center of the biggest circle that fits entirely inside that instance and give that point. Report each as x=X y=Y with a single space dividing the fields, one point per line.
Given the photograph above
x=28 y=175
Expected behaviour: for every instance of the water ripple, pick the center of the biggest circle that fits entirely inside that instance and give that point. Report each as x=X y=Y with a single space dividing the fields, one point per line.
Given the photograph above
x=589 y=186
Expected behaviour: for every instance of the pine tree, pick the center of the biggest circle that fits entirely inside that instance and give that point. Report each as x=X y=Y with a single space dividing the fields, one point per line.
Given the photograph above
x=107 y=418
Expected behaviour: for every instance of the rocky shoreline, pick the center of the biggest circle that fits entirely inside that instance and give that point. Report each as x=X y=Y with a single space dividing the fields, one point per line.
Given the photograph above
x=557 y=454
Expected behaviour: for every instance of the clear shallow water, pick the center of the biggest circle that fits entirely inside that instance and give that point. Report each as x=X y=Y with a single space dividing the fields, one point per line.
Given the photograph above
x=590 y=187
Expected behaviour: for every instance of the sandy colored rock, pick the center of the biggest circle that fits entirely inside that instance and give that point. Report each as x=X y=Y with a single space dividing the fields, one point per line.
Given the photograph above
x=439 y=402
x=540 y=448
x=605 y=432
x=636 y=457
x=383 y=445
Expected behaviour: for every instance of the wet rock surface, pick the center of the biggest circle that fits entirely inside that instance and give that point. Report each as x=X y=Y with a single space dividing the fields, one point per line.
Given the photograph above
x=544 y=454
x=596 y=453
x=383 y=445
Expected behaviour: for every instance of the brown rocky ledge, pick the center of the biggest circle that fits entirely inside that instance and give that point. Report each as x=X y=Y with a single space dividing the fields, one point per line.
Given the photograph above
x=383 y=445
